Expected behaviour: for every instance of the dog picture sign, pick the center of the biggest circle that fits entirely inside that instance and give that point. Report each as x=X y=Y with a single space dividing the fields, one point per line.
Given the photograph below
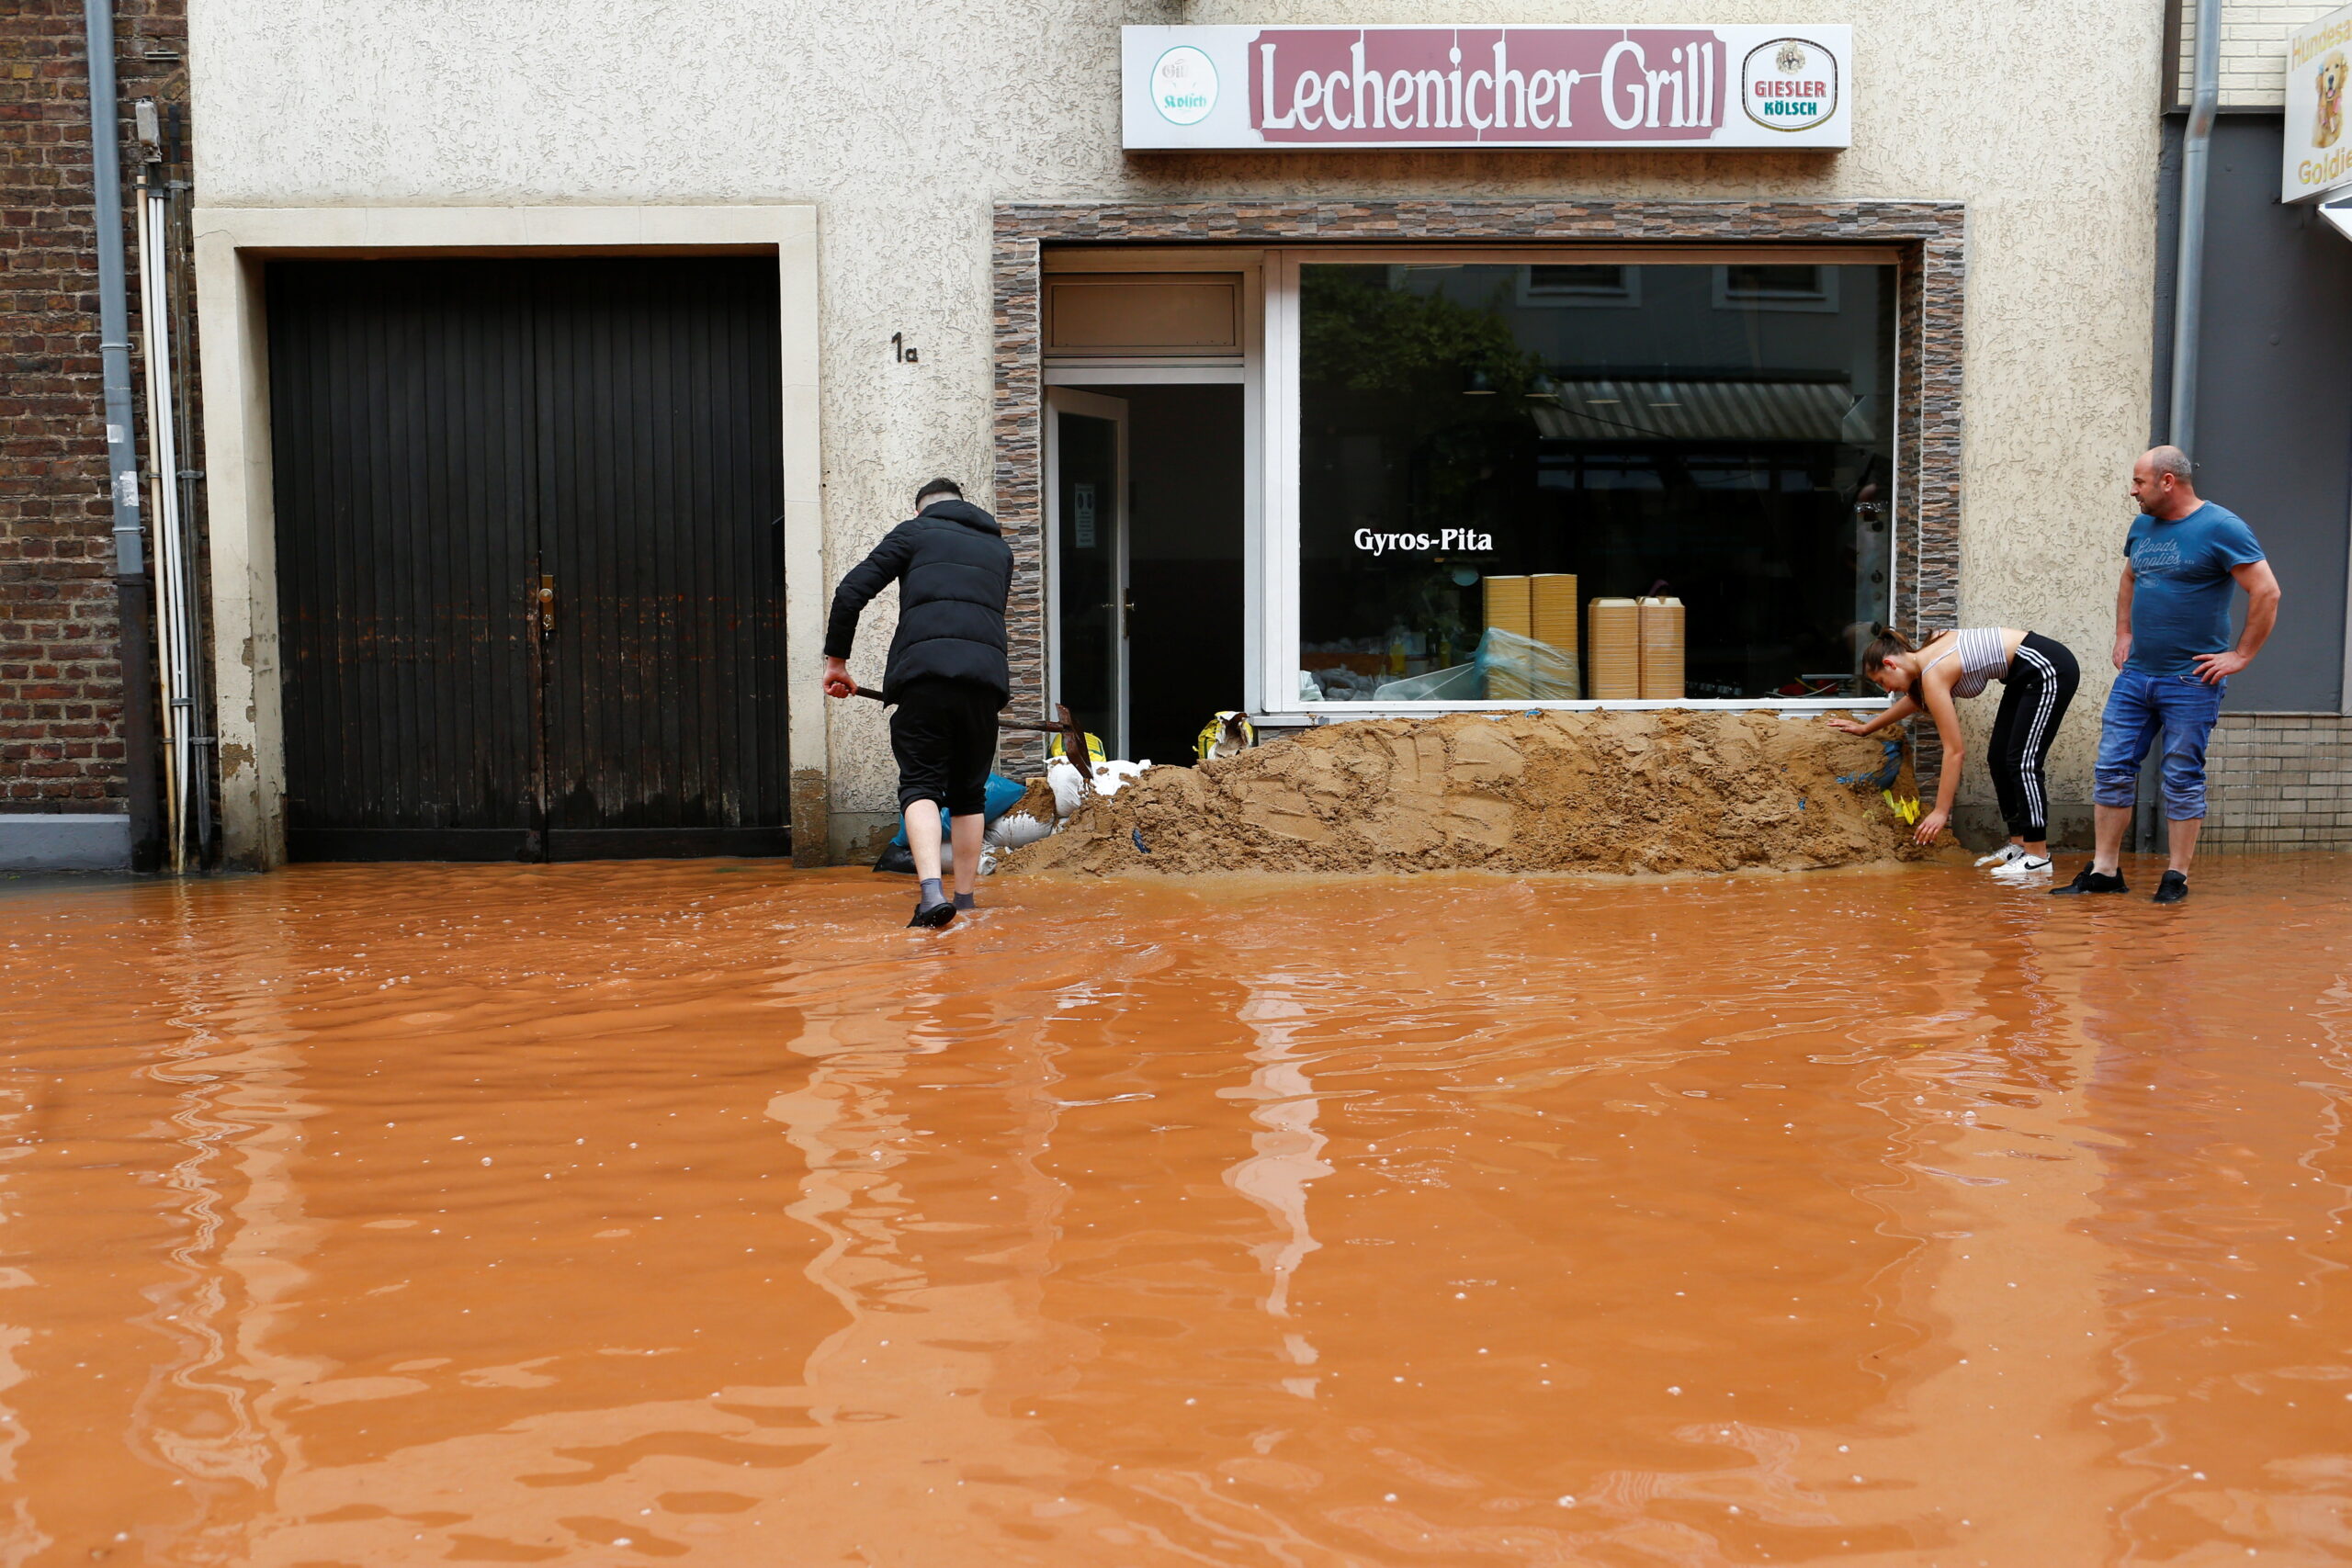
x=2318 y=155
x=1332 y=88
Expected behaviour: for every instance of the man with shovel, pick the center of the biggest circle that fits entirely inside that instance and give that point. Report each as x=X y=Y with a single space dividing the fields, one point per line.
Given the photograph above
x=947 y=678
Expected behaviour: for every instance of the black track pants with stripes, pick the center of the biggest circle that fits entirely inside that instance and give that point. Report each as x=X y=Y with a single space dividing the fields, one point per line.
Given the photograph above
x=2035 y=696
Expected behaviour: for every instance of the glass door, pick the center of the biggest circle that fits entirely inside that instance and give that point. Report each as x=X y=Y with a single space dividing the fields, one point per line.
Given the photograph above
x=1086 y=519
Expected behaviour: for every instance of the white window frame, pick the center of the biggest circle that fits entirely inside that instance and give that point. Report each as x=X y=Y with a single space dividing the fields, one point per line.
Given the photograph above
x=1275 y=660
x=1248 y=368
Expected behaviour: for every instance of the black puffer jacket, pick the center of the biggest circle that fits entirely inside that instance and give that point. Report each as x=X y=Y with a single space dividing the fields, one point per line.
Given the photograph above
x=954 y=571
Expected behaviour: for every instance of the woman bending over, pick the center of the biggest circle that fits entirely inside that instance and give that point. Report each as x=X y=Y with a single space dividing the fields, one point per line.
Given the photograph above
x=2038 y=677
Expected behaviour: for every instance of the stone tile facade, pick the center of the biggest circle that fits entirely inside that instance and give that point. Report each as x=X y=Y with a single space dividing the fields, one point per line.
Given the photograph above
x=2278 y=781
x=60 y=690
x=1930 y=234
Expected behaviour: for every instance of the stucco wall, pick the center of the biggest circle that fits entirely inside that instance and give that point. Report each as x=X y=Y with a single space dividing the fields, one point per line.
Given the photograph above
x=905 y=123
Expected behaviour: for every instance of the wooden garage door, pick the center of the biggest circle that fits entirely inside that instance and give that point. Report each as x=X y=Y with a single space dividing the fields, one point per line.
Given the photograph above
x=530 y=570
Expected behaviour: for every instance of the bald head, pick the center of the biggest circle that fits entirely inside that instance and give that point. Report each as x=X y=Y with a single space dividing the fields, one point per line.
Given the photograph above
x=2161 y=483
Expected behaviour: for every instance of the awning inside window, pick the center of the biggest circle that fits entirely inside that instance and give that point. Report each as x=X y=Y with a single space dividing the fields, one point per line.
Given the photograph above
x=1704 y=411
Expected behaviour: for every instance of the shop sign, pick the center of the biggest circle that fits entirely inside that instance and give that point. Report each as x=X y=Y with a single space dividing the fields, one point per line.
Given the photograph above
x=1334 y=87
x=2318 y=157
x=1468 y=540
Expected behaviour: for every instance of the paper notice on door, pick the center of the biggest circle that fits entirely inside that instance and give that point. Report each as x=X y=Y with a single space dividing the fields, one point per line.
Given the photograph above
x=1082 y=515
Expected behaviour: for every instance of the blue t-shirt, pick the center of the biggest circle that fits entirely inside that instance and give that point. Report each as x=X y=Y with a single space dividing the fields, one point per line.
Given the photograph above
x=2181 y=584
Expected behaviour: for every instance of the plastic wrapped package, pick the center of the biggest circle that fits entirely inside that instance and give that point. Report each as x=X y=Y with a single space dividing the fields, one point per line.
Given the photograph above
x=1506 y=667
x=1339 y=684
x=1454 y=684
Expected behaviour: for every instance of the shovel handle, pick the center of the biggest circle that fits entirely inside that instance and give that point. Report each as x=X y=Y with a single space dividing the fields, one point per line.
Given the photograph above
x=1073 y=740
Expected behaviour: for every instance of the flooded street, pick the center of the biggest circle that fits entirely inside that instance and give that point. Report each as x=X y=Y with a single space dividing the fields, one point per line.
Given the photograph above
x=638 y=1212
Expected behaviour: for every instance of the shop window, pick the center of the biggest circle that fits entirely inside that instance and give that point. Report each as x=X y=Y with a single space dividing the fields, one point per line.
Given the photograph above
x=1702 y=443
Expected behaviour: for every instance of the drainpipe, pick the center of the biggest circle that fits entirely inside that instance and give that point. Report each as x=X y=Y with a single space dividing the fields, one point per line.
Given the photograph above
x=132 y=584
x=2187 y=312
x=2188 y=280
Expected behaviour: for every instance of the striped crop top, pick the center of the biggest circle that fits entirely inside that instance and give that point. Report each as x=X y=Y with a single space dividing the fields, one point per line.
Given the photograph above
x=1984 y=656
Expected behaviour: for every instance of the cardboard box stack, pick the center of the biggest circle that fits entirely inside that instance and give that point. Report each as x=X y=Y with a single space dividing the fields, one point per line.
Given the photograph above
x=1661 y=629
x=1510 y=608
x=1552 y=620
x=1613 y=655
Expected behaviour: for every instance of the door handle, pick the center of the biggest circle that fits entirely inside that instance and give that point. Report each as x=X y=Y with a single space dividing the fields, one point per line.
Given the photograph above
x=545 y=607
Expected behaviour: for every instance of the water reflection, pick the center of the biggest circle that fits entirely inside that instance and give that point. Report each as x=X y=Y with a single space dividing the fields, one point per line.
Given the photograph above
x=1287 y=1158
x=380 y=1214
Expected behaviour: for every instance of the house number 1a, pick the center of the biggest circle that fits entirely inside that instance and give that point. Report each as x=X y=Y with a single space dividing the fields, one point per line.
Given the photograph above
x=907 y=353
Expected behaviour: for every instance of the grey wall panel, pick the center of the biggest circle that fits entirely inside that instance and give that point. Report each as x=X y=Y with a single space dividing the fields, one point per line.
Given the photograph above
x=2275 y=407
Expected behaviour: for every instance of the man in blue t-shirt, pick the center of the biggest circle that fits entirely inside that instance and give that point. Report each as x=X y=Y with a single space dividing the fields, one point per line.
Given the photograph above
x=2173 y=656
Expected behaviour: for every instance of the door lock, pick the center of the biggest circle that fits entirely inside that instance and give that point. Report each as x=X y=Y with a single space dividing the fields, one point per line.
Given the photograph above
x=546 y=606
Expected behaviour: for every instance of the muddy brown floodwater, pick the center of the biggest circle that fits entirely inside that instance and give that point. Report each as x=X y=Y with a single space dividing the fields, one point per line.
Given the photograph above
x=699 y=1213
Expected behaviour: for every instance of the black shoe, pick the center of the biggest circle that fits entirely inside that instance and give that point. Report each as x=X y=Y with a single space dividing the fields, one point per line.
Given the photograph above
x=2172 y=889
x=931 y=917
x=2089 y=881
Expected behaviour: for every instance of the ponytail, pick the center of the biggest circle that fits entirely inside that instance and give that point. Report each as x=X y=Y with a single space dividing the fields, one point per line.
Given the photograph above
x=1885 y=643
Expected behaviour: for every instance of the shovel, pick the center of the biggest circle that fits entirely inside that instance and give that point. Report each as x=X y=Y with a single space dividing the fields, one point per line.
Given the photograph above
x=1073 y=737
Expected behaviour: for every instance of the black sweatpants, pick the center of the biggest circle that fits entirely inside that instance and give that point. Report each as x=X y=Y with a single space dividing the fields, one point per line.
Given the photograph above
x=2034 y=698
x=944 y=735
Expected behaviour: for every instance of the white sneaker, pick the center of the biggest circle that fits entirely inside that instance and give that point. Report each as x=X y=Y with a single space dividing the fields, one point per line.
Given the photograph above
x=2024 y=868
x=2001 y=856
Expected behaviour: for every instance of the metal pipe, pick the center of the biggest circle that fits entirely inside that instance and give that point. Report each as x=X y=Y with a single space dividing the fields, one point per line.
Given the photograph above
x=178 y=250
x=2187 y=303
x=2188 y=280
x=122 y=456
x=173 y=653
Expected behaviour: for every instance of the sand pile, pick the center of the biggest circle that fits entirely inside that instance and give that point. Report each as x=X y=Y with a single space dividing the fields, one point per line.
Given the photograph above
x=1667 y=791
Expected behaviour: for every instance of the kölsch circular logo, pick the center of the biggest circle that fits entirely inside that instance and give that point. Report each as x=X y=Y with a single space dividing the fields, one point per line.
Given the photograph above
x=1184 y=85
x=1790 y=83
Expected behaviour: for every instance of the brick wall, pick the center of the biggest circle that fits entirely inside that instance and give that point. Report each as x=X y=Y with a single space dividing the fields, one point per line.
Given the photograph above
x=61 y=697
x=2253 y=47
x=2280 y=782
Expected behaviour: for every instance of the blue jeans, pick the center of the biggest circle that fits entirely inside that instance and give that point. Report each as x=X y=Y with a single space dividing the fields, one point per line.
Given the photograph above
x=2181 y=708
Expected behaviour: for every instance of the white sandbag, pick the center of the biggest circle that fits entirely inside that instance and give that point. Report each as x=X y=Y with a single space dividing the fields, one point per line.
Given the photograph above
x=1110 y=777
x=1068 y=785
x=1015 y=828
